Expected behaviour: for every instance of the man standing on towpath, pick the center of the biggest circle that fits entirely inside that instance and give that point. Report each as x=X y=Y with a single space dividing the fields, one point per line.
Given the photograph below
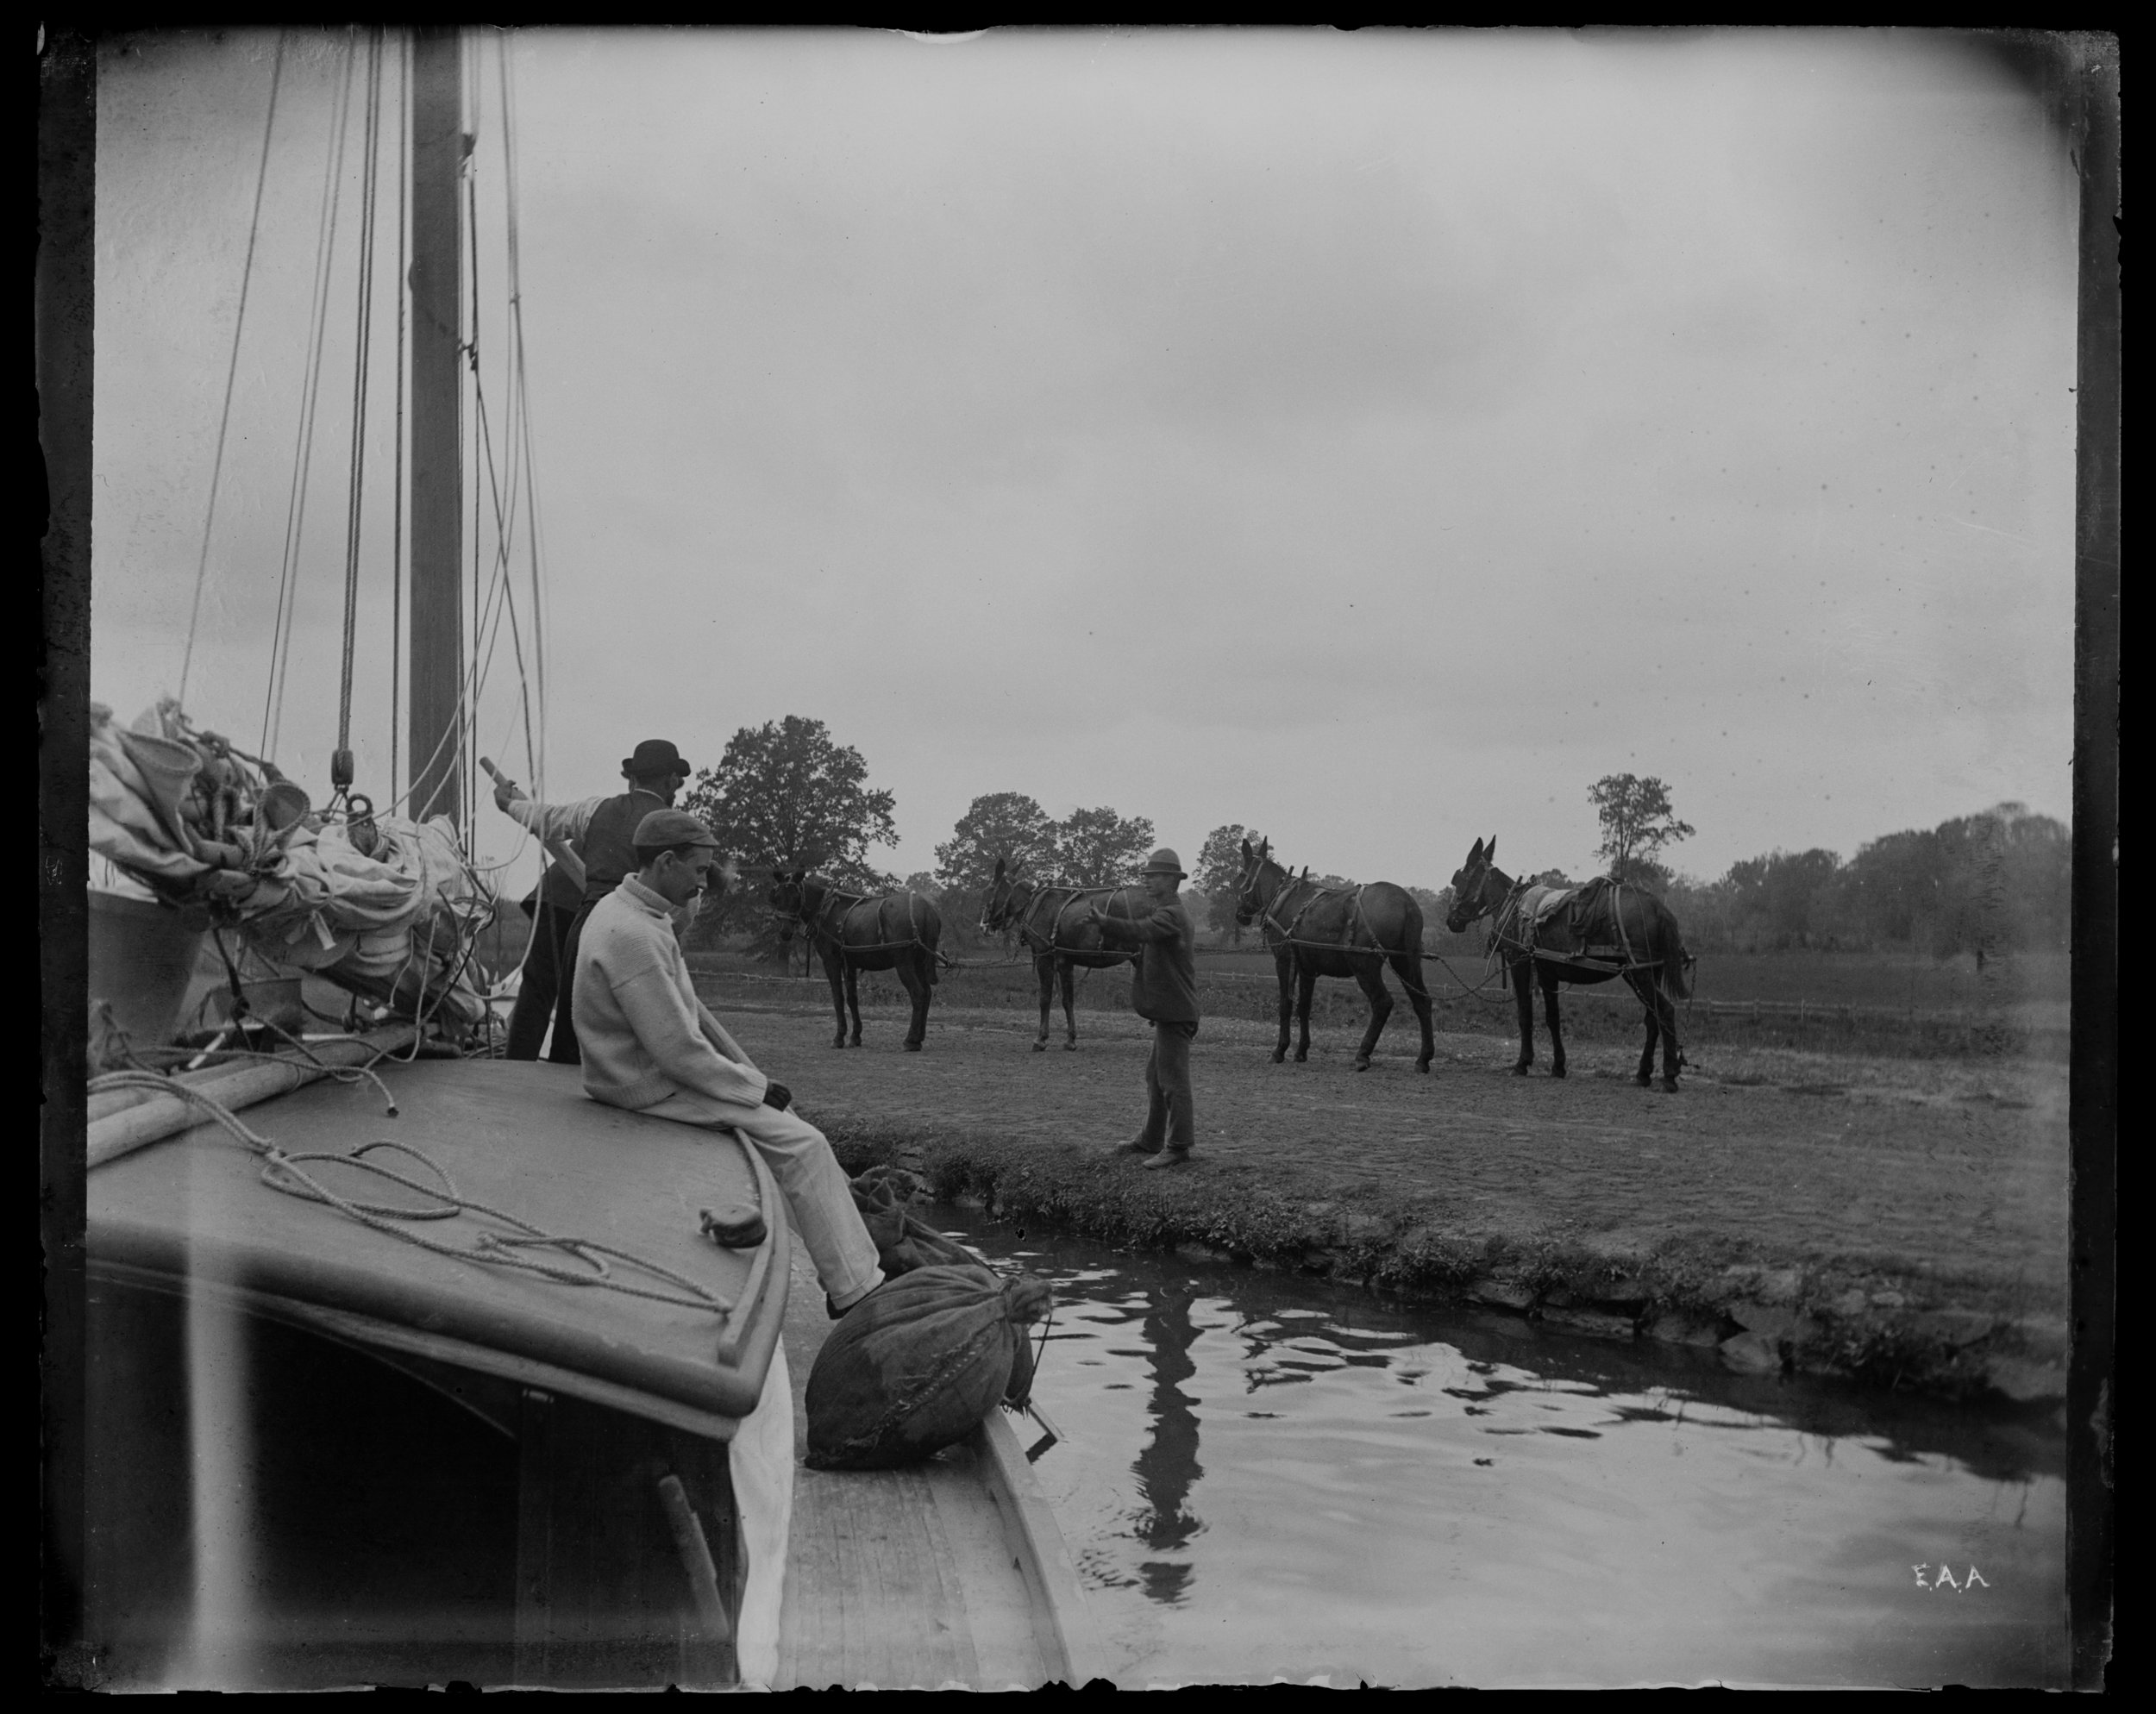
x=1164 y=992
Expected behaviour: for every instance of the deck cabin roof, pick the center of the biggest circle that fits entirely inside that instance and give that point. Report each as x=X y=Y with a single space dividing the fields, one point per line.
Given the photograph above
x=193 y=1212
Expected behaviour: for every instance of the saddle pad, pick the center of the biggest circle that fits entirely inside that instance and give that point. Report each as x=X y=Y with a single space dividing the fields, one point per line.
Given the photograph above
x=1538 y=903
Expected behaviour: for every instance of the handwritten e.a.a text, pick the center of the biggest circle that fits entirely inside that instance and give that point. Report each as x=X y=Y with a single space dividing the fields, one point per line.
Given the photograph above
x=1945 y=1579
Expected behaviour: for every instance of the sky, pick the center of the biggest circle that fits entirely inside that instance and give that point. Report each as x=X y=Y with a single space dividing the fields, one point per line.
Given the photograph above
x=1371 y=438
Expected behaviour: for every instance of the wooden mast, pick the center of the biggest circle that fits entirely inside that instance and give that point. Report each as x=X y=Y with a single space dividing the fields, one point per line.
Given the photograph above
x=437 y=481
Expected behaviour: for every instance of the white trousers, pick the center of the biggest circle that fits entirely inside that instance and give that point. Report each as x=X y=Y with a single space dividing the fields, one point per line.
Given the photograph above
x=809 y=1177
x=760 y=1459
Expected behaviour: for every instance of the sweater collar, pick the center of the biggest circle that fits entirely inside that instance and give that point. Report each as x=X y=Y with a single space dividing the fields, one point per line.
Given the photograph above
x=644 y=896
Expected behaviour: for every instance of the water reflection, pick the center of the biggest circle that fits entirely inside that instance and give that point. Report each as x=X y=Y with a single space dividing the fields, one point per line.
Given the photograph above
x=1167 y=1467
x=1411 y=1498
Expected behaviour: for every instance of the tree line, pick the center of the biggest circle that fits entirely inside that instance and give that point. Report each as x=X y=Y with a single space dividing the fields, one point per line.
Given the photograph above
x=787 y=795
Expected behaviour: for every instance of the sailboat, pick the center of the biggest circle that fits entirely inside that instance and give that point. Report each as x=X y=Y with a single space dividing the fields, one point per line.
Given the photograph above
x=407 y=1364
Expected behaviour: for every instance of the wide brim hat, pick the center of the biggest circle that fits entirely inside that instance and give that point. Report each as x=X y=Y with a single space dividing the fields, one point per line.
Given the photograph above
x=655 y=755
x=1165 y=862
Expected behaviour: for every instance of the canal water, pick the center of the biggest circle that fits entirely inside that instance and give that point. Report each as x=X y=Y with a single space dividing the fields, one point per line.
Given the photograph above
x=1265 y=1478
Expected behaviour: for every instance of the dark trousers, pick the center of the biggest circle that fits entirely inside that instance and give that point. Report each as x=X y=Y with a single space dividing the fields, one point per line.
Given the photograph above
x=536 y=992
x=564 y=1050
x=1168 y=1090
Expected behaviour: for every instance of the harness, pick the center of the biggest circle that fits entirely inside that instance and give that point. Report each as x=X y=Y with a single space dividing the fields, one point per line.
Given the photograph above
x=1359 y=922
x=820 y=926
x=1050 y=947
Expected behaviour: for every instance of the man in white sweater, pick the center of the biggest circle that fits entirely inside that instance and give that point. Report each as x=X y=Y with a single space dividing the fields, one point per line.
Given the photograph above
x=651 y=1045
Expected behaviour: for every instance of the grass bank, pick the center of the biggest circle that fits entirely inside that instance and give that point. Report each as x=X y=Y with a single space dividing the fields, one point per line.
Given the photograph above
x=1765 y=1308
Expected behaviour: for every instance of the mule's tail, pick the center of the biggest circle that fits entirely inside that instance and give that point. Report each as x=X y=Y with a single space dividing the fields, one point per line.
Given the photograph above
x=1676 y=963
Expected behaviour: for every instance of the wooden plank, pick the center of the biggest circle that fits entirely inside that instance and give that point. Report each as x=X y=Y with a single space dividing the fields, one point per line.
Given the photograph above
x=1069 y=1643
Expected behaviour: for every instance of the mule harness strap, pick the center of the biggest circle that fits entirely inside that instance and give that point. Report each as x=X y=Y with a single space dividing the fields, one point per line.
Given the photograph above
x=822 y=926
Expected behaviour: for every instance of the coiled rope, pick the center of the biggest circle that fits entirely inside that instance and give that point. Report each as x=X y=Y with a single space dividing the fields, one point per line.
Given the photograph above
x=285 y=1173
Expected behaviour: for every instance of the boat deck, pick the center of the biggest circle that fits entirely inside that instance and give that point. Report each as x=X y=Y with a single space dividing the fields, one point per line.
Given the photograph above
x=952 y=1572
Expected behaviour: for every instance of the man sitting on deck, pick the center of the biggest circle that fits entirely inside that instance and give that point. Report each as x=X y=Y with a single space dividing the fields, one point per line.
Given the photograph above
x=651 y=1045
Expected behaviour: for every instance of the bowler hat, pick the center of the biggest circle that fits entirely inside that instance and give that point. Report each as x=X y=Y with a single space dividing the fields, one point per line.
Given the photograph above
x=666 y=828
x=1165 y=862
x=655 y=755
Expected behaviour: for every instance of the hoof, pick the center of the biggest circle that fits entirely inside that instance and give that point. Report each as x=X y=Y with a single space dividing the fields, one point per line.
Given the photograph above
x=1557 y=1071
x=1302 y=1058
x=1422 y=1066
x=1361 y=1065
x=912 y=1046
x=1645 y=1082
x=1070 y=1047
x=1669 y=1085
x=1040 y=1047
x=1519 y=1071
x=1280 y=1056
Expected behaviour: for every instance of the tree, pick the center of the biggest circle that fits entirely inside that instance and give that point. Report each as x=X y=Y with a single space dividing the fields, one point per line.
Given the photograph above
x=1101 y=849
x=1776 y=896
x=923 y=883
x=1637 y=822
x=1005 y=824
x=1219 y=864
x=786 y=795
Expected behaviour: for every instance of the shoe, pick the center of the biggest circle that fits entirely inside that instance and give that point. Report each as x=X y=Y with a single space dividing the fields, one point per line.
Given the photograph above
x=837 y=1314
x=1169 y=1157
x=1132 y=1148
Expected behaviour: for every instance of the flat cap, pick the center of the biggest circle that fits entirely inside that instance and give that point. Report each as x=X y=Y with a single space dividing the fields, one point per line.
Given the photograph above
x=672 y=827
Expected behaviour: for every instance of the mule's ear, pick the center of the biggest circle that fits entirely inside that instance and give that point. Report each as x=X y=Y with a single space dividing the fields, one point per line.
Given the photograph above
x=1490 y=852
x=800 y=875
x=998 y=868
x=1246 y=851
x=1476 y=852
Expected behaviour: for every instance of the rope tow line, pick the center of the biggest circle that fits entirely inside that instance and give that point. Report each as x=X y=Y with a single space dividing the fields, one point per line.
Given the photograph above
x=286 y=1174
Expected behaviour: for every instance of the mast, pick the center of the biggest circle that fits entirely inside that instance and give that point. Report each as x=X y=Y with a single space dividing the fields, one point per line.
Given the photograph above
x=437 y=477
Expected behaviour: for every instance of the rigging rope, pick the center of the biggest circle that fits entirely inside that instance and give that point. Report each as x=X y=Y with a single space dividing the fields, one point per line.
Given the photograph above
x=397 y=527
x=362 y=351
x=232 y=369
x=296 y=505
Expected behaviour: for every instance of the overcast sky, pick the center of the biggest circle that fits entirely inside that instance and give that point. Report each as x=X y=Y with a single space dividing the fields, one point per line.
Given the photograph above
x=1372 y=438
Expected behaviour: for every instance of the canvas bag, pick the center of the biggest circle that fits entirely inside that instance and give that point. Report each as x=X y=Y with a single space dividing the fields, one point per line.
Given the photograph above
x=916 y=1365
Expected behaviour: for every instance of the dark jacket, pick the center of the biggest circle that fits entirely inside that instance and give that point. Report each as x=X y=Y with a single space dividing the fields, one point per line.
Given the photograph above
x=1164 y=987
x=608 y=844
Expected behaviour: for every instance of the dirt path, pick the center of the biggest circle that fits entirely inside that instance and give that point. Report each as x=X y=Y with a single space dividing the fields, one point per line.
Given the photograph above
x=1926 y=1185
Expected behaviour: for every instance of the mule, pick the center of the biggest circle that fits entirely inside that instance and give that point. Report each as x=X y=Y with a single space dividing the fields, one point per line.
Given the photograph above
x=1315 y=931
x=852 y=932
x=1582 y=935
x=1056 y=925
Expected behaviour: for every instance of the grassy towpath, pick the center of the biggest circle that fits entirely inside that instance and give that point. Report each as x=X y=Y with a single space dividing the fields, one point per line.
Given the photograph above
x=1900 y=1219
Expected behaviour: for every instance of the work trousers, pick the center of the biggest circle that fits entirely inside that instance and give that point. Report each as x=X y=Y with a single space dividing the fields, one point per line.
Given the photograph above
x=563 y=1050
x=817 y=1194
x=1168 y=1090
x=541 y=983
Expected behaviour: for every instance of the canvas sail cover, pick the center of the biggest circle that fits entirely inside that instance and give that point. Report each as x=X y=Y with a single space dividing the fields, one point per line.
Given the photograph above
x=203 y=827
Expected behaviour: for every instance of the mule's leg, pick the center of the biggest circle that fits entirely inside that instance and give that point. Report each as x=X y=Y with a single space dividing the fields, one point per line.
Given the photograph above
x=1672 y=1057
x=835 y=975
x=1549 y=1012
x=1281 y=966
x=853 y=998
x=1070 y=1008
x=1644 y=1075
x=1306 y=986
x=1408 y=968
x=1371 y=980
x=1523 y=993
x=1045 y=969
x=916 y=986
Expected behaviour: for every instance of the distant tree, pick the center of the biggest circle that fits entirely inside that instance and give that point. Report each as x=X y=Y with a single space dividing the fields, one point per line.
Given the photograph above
x=786 y=795
x=1777 y=896
x=923 y=883
x=1219 y=863
x=1005 y=824
x=1638 y=821
x=1098 y=847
